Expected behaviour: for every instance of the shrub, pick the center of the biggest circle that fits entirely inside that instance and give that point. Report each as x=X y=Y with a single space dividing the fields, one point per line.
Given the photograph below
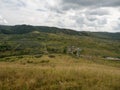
x=44 y=61
x=38 y=56
x=20 y=57
x=29 y=61
x=51 y=56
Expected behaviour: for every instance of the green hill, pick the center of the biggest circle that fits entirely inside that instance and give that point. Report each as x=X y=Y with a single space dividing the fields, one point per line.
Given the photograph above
x=30 y=56
x=26 y=39
x=23 y=29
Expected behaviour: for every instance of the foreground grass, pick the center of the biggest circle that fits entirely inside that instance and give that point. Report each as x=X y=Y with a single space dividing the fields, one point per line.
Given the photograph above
x=61 y=72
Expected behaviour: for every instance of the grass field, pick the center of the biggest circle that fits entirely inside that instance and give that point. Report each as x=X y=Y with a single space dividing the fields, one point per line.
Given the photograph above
x=58 y=72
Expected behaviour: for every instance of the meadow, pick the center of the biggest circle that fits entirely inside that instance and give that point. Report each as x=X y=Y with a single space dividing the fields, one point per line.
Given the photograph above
x=36 y=58
x=58 y=72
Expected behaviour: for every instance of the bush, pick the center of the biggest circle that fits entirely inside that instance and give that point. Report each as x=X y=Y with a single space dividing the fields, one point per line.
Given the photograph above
x=51 y=56
x=44 y=61
x=5 y=47
x=38 y=56
x=20 y=57
x=29 y=61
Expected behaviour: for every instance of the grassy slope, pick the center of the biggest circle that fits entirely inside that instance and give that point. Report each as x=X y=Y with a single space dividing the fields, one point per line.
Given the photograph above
x=33 y=72
x=61 y=72
x=25 y=39
x=36 y=42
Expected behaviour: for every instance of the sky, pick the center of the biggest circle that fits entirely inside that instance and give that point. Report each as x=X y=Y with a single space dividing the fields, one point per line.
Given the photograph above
x=80 y=15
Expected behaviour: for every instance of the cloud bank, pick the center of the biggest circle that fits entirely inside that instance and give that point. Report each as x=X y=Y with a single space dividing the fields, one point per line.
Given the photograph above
x=81 y=15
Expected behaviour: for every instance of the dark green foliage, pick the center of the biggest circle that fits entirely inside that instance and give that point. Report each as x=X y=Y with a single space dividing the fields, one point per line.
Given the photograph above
x=5 y=47
x=65 y=50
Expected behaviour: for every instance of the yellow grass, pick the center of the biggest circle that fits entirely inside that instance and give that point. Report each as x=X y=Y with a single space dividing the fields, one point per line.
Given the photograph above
x=60 y=73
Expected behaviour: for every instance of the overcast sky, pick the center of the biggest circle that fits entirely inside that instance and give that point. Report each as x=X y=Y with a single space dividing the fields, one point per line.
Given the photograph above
x=81 y=15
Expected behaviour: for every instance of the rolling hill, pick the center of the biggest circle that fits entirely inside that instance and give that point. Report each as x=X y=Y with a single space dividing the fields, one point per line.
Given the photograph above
x=26 y=39
x=30 y=56
x=22 y=29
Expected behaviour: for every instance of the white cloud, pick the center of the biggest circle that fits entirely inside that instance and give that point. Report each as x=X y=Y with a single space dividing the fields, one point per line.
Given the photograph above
x=2 y=20
x=51 y=13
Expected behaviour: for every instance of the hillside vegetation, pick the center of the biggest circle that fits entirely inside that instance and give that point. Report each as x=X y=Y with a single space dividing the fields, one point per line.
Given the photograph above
x=36 y=58
x=24 y=39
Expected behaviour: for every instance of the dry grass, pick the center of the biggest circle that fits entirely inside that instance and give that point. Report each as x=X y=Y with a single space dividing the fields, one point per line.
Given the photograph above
x=59 y=73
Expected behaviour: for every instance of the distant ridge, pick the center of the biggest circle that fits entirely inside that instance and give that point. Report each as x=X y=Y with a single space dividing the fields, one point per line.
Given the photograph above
x=23 y=29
